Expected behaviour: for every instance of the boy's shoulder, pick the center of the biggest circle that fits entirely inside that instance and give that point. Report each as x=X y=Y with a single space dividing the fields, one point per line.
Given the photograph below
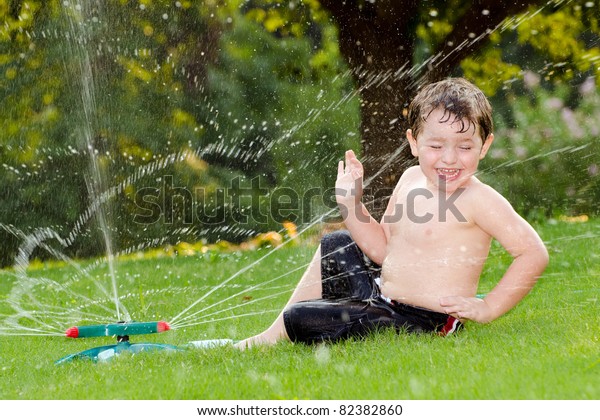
x=411 y=173
x=479 y=188
x=408 y=177
x=484 y=199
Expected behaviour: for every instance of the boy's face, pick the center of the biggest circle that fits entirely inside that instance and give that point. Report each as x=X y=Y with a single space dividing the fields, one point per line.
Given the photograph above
x=447 y=157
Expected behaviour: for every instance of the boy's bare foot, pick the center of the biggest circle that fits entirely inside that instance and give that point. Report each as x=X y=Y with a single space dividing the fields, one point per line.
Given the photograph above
x=263 y=339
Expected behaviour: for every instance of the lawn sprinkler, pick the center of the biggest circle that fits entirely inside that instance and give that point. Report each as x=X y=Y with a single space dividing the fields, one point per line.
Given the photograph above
x=120 y=330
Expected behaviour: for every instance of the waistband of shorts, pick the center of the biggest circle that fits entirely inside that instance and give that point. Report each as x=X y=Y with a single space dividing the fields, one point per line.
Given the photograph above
x=447 y=324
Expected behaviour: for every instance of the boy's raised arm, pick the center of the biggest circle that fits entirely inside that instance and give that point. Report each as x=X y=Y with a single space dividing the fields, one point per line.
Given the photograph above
x=530 y=257
x=365 y=230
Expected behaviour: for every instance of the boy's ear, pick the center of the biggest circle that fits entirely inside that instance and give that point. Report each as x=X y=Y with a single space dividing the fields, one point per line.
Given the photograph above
x=412 y=142
x=486 y=146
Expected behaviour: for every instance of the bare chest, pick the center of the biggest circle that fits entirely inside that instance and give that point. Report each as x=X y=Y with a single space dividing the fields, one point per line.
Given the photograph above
x=421 y=216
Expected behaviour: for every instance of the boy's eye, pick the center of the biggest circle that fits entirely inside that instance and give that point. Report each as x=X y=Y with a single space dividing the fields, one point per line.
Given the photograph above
x=435 y=147
x=466 y=147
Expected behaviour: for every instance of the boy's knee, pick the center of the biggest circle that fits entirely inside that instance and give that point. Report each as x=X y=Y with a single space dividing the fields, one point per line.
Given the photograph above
x=290 y=317
x=336 y=240
x=311 y=321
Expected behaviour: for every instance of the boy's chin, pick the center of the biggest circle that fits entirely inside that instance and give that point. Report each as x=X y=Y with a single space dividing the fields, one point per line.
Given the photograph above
x=449 y=186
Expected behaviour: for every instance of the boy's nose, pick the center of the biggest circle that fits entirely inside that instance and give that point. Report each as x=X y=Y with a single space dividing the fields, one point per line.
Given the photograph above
x=449 y=155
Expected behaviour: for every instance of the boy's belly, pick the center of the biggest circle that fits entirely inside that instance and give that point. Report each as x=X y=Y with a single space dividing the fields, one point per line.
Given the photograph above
x=420 y=280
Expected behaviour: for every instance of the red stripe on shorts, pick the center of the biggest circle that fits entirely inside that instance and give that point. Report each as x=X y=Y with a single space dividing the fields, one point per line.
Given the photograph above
x=451 y=326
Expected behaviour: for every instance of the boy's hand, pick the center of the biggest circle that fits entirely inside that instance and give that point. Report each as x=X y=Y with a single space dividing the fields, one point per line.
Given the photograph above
x=473 y=309
x=349 y=183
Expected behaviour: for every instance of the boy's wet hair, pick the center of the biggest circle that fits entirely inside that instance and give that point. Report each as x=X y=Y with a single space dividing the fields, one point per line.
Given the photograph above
x=459 y=99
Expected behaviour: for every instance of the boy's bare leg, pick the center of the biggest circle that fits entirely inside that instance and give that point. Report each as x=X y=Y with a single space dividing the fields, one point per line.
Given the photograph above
x=308 y=288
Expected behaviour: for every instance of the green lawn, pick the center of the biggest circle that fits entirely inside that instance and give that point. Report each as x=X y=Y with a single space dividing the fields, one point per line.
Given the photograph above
x=546 y=348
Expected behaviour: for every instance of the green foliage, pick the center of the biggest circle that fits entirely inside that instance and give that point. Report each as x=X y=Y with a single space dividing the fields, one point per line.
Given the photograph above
x=436 y=21
x=545 y=161
x=566 y=38
x=297 y=18
x=558 y=41
x=490 y=71
x=165 y=103
x=178 y=98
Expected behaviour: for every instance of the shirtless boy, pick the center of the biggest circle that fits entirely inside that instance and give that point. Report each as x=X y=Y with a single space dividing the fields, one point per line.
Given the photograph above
x=418 y=268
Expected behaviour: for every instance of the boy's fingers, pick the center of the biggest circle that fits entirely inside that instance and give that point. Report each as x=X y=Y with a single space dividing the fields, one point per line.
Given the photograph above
x=351 y=159
x=451 y=304
x=340 y=168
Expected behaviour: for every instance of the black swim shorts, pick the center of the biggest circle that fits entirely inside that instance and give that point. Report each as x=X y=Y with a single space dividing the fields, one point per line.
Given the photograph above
x=352 y=305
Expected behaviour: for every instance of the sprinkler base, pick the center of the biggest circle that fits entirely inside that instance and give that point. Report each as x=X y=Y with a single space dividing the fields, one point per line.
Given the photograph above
x=104 y=353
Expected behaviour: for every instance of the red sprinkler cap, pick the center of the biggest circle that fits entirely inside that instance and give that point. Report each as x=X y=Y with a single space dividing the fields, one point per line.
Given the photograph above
x=72 y=332
x=162 y=326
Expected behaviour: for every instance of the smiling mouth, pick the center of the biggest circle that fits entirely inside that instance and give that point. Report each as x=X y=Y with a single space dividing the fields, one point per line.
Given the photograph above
x=448 y=174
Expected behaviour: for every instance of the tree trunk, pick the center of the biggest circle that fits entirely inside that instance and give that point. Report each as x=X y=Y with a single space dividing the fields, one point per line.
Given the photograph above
x=377 y=39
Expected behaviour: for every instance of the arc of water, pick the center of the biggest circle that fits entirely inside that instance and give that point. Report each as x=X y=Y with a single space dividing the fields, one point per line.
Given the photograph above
x=189 y=320
x=245 y=291
x=233 y=317
x=25 y=283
